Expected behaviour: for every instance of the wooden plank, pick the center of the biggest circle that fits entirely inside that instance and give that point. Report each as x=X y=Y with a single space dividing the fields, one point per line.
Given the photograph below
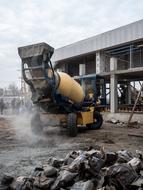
x=135 y=105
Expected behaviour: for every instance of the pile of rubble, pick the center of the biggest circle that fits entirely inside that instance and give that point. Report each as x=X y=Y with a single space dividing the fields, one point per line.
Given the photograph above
x=93 y=169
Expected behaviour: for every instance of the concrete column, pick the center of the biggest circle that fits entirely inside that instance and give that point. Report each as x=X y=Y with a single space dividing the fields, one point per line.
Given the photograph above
x=81 y=69
x=114 y=94
x=129 y=93
x=131 y=56
x=62 y=67
x=82 y=72
x=113 y=63
x=100 y=62
x=113 y=86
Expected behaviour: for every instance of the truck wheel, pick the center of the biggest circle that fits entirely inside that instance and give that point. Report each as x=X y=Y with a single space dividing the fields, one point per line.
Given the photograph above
x=72 y=125
x=36 y=125
x=98 y=123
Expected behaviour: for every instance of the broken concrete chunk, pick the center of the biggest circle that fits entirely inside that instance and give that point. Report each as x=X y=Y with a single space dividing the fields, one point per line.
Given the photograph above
x=6 y=180
x=139 y=154
x=121 y=174
x=88 y=185
x=84 y=171
x=137 y=183
x=37 y=171
x=91 y=152
x=57 y=162
x=96 y=153
x=39 y=168
x=136 y=164
x=4 y=187
x=111 y=158
x=124 y=156
x=68 y=159
x=75 y=154
x=100 y=153
x=56 y=184
x=50 y=171
x=96 y=164
x=111 y=187
x=103 y=188
x=141 y=173
x=74 y=166
x=24 y=183
x=67 y=178
x=43 y=182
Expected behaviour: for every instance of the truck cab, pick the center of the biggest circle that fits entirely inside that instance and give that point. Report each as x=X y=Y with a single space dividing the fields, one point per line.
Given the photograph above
x=94 y=87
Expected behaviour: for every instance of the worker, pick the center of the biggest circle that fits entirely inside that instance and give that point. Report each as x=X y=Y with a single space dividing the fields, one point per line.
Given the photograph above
x=90 y=95
x=13 y=105
x=2 y=105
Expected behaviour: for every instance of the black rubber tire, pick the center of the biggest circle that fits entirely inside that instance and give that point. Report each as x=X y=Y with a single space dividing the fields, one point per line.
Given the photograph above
x=36 y=125
x=72 y=125
x=98 y=123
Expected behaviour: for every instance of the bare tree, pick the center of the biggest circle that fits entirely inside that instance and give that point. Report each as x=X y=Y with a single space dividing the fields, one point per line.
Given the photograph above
x=1 y=91
x=13 y=89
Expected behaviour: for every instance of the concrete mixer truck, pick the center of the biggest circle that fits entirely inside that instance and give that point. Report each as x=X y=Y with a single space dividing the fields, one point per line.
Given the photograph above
x=55 y=93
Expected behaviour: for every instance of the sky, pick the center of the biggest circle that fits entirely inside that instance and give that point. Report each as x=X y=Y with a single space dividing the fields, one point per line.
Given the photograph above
x=58 y=23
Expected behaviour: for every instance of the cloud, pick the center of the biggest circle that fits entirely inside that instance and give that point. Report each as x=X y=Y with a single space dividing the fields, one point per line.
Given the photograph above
x=57 y=22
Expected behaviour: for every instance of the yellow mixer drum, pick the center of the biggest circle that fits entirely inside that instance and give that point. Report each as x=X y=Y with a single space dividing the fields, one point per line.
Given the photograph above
x=70 y=88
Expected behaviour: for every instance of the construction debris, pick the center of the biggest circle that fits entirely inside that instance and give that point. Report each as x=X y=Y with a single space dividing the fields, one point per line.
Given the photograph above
x=118 y=123
x=113 y=120
x=93 y=169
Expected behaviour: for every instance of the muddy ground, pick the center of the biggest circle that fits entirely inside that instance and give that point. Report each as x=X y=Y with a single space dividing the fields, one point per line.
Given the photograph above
x=21 y=151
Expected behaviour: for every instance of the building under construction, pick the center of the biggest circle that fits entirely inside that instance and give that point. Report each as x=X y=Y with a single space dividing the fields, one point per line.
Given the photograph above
x=117 y=56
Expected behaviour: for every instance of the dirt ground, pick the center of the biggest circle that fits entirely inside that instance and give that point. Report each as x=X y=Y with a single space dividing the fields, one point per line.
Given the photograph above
x=21 y=151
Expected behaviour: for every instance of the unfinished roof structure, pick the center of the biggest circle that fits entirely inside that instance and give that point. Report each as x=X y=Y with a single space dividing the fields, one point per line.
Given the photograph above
x=117 y=55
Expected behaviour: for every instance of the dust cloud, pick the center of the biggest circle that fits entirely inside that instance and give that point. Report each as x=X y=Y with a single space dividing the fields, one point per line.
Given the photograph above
x=22 y=126
x=51 y=136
